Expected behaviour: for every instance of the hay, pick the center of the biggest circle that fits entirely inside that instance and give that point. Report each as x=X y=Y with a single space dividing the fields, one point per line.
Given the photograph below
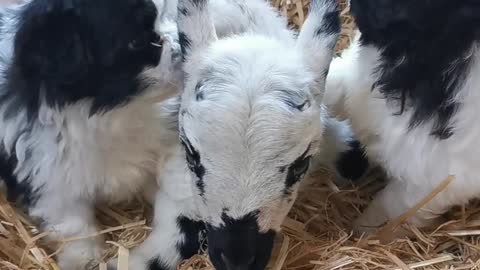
x=316 y=235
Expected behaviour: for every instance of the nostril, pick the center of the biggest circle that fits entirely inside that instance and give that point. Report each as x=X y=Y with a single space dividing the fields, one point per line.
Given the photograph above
x=243 y=265
x=226 y=261
x=251 y=260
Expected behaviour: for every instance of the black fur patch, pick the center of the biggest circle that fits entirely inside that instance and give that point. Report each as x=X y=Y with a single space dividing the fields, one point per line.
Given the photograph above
x=157 y=264
x=191 y=230
x=425 y=57
x=194 y=163
x=239 y=244
x=17 y=191
x=330 y=25
x=296 y=171
x=68 y=51
x=185 y=44
x=199 y=95
x=353 y=163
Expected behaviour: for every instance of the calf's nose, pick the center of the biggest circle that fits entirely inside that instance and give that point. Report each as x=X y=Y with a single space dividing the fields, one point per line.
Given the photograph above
x=243 y=265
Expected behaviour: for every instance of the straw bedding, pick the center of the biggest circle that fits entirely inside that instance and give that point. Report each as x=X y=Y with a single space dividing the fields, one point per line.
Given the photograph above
x=316 y=235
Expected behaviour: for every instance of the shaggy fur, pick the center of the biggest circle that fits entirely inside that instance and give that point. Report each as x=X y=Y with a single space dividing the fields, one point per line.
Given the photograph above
x=409 y=84
x=249 y=123
x=76 y=118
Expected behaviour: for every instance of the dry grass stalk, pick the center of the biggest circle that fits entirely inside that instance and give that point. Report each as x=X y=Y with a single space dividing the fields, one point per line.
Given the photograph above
x=316 y=235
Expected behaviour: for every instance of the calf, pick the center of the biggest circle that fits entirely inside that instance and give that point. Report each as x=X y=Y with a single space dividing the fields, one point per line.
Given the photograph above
x=409 y=85
x=249 y=121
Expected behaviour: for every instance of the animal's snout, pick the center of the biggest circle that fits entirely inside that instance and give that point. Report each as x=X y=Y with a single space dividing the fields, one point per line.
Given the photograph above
x=240 y=250
x=239 y=244
x=242 y=265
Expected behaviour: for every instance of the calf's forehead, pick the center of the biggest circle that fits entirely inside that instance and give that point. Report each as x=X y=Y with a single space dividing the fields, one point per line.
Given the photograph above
x=244 y=131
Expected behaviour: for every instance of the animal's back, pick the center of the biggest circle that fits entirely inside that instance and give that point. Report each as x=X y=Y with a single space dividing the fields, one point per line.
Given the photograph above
x=413 y=154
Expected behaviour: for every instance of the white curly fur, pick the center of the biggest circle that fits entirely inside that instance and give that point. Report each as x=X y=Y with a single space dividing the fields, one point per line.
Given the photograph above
x=415 y=161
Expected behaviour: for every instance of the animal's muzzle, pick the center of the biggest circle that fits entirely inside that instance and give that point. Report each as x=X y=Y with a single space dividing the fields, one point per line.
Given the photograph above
x=239 y=248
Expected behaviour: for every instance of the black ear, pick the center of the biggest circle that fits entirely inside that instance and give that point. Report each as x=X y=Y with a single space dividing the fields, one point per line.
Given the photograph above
x=51 y=48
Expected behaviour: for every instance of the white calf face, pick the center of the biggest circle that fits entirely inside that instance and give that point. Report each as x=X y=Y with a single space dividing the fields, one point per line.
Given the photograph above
x=249 y=122
x=249 y=125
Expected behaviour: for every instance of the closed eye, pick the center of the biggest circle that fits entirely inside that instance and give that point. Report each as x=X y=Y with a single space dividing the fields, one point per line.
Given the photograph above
x=193 y=158
x=298 y=169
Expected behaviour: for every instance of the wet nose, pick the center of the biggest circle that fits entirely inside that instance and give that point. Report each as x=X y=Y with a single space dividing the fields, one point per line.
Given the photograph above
x=245 y=264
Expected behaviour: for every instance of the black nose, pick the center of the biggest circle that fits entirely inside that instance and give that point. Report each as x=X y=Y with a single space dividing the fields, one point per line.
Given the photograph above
x=244 y=265
x=239 y=244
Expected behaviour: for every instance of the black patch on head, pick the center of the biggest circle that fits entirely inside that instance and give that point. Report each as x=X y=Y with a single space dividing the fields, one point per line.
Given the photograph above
x=425 y=57
x=66 y=51
x=199 y=95
x=157 y=264
x=185 y=44
x=330 y=25
x=17 y=191
x=183 y=11
x=296 y=171
x=191 y=231
x=238 y=245
x=199 y=3
x=353 y=163
x=194 y=163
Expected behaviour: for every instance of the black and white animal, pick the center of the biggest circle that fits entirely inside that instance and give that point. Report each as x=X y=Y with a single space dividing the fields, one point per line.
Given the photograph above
x=77 y=124
x=249 y=122
x=410 y=86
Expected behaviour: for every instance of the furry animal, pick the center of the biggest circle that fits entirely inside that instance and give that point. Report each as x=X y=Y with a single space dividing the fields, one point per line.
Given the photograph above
x=249 y=122
x=409 y=84
x=77 y=124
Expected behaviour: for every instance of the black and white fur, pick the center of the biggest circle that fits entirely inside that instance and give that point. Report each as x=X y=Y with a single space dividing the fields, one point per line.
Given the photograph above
x=249 y=122
x=409 y=84
x=77 y=125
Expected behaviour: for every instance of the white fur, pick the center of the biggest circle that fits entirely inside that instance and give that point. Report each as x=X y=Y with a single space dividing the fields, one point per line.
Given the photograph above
x=415 y=161
x=74 y=160
x=242 y=127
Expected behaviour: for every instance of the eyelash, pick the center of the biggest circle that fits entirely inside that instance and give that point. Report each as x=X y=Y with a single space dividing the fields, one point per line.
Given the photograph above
x=300 y=167
x=193 y=159
x=297 y=170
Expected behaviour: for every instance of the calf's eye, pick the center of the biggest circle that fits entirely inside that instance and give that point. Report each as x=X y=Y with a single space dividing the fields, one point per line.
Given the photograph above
x=300 y=167
x=193 y=159
x=297 y=170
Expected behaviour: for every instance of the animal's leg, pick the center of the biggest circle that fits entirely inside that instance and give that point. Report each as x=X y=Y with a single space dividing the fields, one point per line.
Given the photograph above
x=397 y=198
x=174 y=237
x=341 y=151
x=66 y=218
